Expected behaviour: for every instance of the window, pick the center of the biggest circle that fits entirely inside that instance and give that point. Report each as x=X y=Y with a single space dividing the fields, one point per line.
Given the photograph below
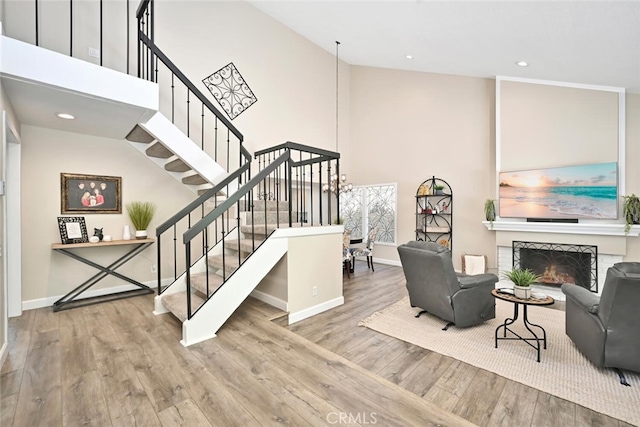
x=370 y=206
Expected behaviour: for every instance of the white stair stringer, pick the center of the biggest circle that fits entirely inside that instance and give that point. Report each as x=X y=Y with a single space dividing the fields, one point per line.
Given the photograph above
x=183 y=148
x=215 y=312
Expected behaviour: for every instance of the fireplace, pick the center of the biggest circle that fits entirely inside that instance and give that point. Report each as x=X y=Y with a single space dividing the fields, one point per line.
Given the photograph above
x=559 y=263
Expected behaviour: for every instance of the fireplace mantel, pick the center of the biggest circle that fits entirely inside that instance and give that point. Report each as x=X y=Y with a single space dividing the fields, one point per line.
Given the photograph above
x=551 y=227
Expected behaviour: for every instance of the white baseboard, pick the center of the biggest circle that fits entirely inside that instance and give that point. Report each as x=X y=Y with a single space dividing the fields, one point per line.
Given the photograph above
x=382 y=261
x=316 y=309
x=48 y=301
x=269 y=299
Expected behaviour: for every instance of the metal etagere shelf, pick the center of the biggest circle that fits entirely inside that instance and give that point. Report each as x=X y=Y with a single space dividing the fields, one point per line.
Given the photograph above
x=434 y=212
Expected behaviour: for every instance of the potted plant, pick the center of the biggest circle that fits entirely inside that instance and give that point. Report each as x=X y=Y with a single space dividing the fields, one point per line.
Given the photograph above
x=490 y=211
x=630 y=211
x=141 y=214
x=438 y=189
x=522 y=281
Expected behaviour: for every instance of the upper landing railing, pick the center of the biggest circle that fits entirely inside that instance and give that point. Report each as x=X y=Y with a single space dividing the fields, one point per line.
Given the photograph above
x=116 y=35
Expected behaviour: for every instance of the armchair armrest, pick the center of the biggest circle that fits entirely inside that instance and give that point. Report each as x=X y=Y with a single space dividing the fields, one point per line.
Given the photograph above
x=582 y=297
x=467 y=282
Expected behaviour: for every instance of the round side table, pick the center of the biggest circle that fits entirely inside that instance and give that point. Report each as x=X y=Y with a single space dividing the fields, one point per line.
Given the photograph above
x=517 y=302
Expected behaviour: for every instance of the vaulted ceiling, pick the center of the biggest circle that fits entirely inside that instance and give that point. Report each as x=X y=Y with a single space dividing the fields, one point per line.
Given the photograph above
x=588 y=42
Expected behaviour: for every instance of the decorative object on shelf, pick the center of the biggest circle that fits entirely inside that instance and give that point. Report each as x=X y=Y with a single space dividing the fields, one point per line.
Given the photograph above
x=630 y=211
x=97 y=232
x=444 y=242
x=337 y=186
x=107 y=238
x=90 y=194
x=126 y=233
x=434 y=212
x=94 y=239
x=73 y=229
x=231 y=91
x=522 y=281
x=141 y=214
x=490 y=211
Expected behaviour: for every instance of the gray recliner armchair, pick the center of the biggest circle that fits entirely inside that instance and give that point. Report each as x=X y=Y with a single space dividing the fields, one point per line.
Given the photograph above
x=605 y=328
x=435 y=287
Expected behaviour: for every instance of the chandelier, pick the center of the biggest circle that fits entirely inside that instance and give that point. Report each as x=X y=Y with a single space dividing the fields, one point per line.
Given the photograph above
x=337 y=186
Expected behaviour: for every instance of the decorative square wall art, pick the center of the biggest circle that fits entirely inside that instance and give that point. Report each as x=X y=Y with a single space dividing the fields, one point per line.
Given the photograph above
x=230 y=90
x=89 y=194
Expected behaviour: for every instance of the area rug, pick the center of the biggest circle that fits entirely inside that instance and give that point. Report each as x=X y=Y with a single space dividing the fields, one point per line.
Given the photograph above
x=563 y=371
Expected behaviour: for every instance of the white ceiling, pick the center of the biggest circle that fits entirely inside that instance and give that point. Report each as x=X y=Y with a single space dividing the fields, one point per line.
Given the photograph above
x=588 y=42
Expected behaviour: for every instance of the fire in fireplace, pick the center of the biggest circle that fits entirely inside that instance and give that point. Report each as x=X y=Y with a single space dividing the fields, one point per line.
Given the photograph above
x=559 y=263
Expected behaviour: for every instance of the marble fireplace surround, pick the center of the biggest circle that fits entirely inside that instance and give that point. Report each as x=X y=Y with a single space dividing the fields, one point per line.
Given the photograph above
x=610 y=239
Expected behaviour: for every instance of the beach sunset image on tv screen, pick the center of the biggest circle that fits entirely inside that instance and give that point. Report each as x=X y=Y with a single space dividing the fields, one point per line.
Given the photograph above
x=586 y=191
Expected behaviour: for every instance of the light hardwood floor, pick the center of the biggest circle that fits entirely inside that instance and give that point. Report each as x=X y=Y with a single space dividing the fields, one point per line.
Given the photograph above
x=118 y=364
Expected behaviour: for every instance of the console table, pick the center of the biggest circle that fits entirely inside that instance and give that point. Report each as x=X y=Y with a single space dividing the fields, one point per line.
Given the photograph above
x=71 y=300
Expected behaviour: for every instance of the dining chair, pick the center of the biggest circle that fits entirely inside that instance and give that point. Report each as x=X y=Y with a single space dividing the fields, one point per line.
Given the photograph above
x=368 y=249
x=346 y=251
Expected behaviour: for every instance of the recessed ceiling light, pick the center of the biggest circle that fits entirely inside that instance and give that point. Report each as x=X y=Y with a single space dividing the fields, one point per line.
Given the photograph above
x=409 y=56
x=66 y=116
x=522 y=64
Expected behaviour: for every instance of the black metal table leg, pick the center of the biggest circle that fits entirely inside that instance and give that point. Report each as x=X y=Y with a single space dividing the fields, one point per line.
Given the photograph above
x=70 y=300
x=538 y=336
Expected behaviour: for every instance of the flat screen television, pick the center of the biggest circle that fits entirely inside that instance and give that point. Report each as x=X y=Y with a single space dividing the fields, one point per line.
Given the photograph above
x=572 y=192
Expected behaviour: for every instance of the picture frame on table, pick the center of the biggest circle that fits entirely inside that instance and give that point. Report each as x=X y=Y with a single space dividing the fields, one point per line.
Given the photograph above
x=73 y=229
x=90 y=194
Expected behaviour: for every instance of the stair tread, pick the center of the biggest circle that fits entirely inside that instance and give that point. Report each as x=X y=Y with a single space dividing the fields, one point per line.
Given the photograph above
x=199 y=282
x=194 y=180
x=260 y=228
x=177 y=165
x=246 y=245
x=158 y=150
x=177 y=304
x=138 y=134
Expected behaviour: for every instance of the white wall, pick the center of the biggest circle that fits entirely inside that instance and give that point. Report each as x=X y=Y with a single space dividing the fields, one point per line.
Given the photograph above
x=293 y=79
x=45 y=154
x=409 y=126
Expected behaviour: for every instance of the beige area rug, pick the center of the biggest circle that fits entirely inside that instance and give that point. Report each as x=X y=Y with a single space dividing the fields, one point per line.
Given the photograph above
x=563 y=371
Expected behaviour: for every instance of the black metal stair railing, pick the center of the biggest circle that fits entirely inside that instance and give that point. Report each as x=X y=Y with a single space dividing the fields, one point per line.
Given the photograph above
x=289 y=172
x=100 y=29
x=181 y=101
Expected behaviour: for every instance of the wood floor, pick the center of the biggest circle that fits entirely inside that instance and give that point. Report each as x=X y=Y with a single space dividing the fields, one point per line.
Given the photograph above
x=118 y=364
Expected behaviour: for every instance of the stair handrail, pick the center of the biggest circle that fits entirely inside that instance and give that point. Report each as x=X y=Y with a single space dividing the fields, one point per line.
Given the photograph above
x=175 y=70
x=231 y=200
x=290 y=145
x=204 y=197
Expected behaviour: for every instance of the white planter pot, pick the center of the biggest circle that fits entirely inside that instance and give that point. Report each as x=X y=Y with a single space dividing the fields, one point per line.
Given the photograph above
x=523 y=292
x=141 y=234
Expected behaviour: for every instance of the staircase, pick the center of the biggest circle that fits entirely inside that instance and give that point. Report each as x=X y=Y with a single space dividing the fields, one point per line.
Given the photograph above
x=251 y=253
x=213 y=252
x=168 y=147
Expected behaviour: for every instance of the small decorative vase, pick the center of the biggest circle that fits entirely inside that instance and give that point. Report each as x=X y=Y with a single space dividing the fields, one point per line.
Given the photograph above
x=522 y=292
x=126 y=234
x=141 y=234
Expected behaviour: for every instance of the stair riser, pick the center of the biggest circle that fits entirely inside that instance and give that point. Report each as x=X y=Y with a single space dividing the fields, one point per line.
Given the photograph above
x=272 y=217
x=231 y=263
x=259 y=205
